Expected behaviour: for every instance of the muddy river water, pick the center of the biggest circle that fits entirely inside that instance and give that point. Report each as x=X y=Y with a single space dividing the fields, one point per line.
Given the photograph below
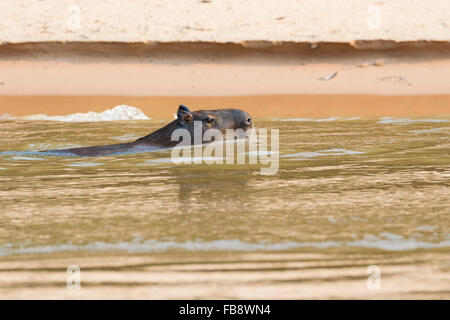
x=349 y=193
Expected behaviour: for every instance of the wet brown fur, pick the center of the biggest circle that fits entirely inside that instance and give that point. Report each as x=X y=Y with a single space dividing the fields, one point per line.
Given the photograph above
x=161 y=138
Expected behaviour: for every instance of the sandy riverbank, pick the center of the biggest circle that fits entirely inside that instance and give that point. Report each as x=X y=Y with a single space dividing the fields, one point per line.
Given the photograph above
x=223 y=21
x=202 y=69
x=269 y=59
x=274 y=81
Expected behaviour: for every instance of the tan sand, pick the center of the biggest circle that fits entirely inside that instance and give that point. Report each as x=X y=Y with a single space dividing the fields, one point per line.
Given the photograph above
x=156 y=54
x=280 y=81
x=274 y=81
x=219 y=70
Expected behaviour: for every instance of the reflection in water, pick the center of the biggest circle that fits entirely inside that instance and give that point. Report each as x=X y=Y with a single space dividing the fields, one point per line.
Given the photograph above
x=195 y=195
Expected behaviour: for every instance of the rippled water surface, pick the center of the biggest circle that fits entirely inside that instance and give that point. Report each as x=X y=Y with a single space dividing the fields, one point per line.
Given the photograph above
x=343 y=184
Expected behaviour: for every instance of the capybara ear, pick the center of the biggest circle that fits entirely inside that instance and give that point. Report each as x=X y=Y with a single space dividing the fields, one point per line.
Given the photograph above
x=184 y=115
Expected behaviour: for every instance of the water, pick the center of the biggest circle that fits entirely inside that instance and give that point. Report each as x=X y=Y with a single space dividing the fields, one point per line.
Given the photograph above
x=349 y=192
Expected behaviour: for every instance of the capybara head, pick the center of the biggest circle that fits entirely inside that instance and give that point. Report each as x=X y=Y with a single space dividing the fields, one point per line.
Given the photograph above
x=214 y=119
x=208 y=119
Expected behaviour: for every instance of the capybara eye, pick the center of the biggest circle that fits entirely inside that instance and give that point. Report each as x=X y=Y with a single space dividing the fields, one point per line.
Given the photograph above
x=210 y=119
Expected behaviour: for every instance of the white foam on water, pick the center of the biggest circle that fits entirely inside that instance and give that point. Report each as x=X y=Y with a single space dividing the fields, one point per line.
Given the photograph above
x=121 y=112
x=158 y=161
x=197 y=159
x=307 y=154
x=7 y=116
x=390 y=120
x=181 y=160
x=394 y=243
x=390 y=236
x=51 y=146
x=429 y=130
x=261 y=153
x=25 y=158
x=426 y=228
x=340 y=151
x=161 y=246
x=319 y=153
x=398 y=244
x=126 y=137
x=84 y=164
